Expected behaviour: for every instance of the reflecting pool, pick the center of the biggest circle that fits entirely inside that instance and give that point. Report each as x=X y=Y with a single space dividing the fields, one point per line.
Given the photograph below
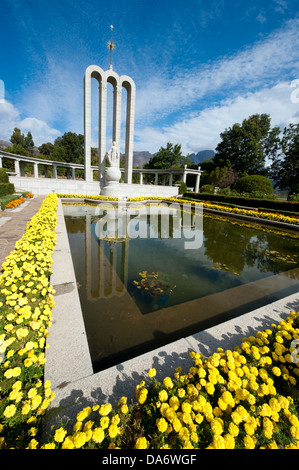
x=172 y=274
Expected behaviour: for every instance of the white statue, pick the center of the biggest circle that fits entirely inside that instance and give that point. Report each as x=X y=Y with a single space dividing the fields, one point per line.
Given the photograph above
x=112 y=173
x=113 y=156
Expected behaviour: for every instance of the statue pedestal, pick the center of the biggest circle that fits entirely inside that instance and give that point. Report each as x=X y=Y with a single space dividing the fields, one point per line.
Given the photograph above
x=112 y=175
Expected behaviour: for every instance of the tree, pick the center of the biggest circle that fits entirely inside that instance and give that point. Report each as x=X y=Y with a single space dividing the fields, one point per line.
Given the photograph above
x=46 y=149
x=22 y=145
x=285 y=163
x=28 y=142
x=169 y=157
x=245 y=147
x=69 y=148
x=17 y=138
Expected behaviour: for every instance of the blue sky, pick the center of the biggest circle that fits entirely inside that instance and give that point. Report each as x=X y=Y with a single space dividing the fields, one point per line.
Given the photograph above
x=199 y=66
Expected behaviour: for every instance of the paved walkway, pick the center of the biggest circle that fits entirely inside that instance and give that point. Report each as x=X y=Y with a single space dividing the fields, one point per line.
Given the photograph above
x=13 y=223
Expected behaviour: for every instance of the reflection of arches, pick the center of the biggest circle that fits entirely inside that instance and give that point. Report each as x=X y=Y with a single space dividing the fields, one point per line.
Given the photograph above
x=118 y=83
x=102 y=280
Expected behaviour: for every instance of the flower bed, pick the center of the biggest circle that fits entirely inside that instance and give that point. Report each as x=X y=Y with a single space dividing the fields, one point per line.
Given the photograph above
x=26 y=300
x=246 y=398
x=252 y=213
x=16 y=202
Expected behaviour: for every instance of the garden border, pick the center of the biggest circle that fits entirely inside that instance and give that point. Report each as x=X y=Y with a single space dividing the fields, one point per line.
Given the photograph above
x=68 y=364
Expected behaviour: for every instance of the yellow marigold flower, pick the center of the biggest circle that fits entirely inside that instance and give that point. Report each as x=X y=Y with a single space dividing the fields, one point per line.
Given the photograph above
x=184 y=434
x=105 y=409
x=229 y=441
x=113 y=431
x=152 y=372
x=98 y=435
x=32 y=392
x=249 y=429
x=33 y=444
x=176 y=424
x=141 y=443
x=181 y=393
x=36 y=402
x=186 y=407
x=77 y=426
x=162 y=425
x=167 y=382
x=68 y=443
x=210 y=388
x=79 y=439
x=198 y=418
x=142 y=395
x=51 y=445
x=237 y=419
x=60 y=434
x=174 y=402
x=249 y=442
x=26 y=408
x=217 y=426
x=124 y=409
x=163 y=396
x=9 y=411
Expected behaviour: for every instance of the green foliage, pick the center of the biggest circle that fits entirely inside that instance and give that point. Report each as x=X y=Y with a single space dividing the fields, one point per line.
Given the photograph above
x=6 y=188
x=285 y=163
x=207 y=188
x=290 y=206
x=3 y=176
x=183 y=187
x=244 y=147
x=21 y=142
x=169 y=157
x=254 y=183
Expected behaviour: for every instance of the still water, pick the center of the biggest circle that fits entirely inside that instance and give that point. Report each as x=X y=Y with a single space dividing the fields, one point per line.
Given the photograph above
x=138 y=293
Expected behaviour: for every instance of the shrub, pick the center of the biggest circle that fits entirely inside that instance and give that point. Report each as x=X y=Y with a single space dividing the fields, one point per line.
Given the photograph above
x=3 y=176
x=183 y=187
x=207 y=188
x=6 y=188
x=254 y=184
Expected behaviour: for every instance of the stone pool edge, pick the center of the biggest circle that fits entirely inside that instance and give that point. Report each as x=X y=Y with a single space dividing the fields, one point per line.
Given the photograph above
x=68 y=363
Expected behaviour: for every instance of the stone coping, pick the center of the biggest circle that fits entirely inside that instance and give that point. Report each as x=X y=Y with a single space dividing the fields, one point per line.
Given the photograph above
x=68 y=363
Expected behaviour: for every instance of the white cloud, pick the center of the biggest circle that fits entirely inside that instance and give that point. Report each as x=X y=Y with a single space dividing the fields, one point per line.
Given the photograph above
x=202 y=131
x=10 y=118
x=260 y=65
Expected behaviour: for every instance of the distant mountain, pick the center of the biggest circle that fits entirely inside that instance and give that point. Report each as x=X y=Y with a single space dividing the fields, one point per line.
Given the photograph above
x=4 y=144
x=201 y=156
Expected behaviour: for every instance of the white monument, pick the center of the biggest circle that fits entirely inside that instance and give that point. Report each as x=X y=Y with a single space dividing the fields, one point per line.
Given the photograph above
x=118 y=83
x=109 y=176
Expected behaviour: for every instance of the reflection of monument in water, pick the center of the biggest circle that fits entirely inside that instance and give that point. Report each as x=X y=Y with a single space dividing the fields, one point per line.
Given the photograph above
x=102 y=280
x=107 y=257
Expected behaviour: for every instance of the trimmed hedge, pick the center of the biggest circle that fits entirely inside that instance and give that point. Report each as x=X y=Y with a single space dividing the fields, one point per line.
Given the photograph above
x=290 y=206
x=6 y=188
x=3 y=176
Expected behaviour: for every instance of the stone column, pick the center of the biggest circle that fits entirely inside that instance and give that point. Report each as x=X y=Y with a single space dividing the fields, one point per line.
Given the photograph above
x=117 y=114
x=140 y=178
x=22 y=168
x=102 y=131
x=17 y=167
x=185 y=174
x=74 y=173
x=35 y=170
x=55 y=171
x=197 y=183
x=1 y=162
x=170 y=179
x=130 y=87
x=87 y=127
x=156 y=178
